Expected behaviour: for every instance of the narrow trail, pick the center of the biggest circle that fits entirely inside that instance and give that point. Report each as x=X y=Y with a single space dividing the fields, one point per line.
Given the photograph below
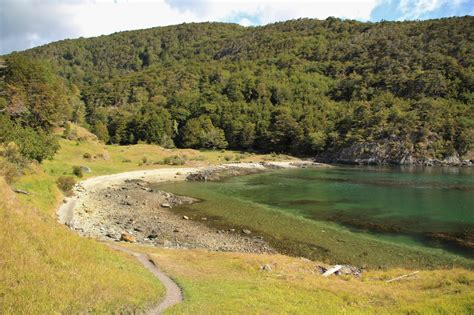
x=174 y=293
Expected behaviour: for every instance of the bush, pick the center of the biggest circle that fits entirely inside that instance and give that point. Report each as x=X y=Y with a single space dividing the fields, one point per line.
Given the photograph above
x=86 y=155
x=174 y=160
x=13 y=155
x=66 y=183
x=67 y=130
x=199 y=158
x=8 y=170
x=228 y=157
x=77 y=170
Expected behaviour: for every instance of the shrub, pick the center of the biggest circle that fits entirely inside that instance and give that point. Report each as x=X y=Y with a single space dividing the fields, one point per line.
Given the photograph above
x=144 y=160
x=199 y=158
x=13 y=155
x=67 y=130
x=8 y=170
x=86 y=155
x=174 y=160
x=77 y=170
x=66 y=183
x=228 y=157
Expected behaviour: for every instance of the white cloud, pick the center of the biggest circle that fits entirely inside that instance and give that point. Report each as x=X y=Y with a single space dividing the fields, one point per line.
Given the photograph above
x=415 y=9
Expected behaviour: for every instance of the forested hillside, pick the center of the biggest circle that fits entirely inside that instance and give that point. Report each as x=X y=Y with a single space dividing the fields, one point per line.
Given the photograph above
x=400 y=92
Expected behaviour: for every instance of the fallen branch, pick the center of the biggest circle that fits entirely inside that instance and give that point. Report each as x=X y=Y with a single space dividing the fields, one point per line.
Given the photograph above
x=401 y=277
x=19 y=191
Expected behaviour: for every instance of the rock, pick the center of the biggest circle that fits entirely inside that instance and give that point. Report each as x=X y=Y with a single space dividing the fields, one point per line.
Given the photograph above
x=266 y=267
x=165 y=205
x=453 y=159
x=321 y=269
x=126 y=237
x=185 y=217
x=152 y=236
x=204 y=219
x=85 y=169
x=176 y=230
x=247 y=232
x=349 y=270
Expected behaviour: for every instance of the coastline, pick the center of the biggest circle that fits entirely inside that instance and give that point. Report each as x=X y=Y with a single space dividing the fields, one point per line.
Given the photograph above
x=123 y=207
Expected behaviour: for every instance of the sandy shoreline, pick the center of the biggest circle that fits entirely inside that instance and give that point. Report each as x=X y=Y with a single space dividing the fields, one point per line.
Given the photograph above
x=106 y=207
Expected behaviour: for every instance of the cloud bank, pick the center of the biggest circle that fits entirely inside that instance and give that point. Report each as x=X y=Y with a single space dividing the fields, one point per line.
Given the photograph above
x=28 y=23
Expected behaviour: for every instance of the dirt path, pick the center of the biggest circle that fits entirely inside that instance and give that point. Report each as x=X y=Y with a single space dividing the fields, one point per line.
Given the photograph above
x=174 y=293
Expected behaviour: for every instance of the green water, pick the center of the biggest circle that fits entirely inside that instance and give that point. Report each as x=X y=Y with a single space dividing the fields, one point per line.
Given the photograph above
x=368 y=216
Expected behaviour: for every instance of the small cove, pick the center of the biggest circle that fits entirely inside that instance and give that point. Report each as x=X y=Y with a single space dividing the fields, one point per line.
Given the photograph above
x=378 y=217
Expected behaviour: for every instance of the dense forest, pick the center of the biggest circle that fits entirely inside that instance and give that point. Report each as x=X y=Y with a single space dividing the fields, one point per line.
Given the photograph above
x=306 y=87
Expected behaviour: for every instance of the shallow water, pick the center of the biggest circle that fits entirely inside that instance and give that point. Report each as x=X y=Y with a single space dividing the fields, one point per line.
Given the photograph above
x=426 y=211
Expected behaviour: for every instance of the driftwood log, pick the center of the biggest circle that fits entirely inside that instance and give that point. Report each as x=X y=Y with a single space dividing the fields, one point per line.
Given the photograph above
x=19 y=191
x=401 y=277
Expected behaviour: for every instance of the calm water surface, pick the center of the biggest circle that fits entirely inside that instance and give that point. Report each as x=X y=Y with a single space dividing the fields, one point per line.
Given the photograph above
x=431 y=208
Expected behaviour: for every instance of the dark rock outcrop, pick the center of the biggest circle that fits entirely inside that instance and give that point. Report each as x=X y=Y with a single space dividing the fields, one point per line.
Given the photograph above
x=395 y=152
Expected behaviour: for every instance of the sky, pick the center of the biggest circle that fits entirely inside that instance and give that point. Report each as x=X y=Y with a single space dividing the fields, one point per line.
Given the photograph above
x=29 y=23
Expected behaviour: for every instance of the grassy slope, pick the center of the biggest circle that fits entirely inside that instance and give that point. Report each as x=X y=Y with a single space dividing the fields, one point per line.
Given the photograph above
x=44 y=267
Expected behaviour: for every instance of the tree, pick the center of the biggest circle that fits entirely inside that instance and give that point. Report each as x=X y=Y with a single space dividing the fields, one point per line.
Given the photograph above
x=155 y=126
x=201 y=133
x=37 y=97
x=100 y=130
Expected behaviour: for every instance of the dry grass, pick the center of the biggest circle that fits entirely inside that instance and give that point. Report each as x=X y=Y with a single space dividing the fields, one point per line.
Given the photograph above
x=232 y=283
x=45 y=268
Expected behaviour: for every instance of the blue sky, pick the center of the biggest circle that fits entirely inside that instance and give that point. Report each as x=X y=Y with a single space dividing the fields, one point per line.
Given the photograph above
x=28 y=23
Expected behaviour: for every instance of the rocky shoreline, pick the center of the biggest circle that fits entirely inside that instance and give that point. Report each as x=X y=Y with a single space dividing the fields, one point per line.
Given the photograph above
x=389 y=153
x=124 y=207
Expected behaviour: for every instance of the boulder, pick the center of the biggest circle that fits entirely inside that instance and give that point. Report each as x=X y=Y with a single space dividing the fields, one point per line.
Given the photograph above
x=165 y=205
x=85 y=169
x=127 y=237
x=247 y=232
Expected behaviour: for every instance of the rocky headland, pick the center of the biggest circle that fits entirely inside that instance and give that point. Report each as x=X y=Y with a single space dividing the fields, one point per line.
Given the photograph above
x=394 y=152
